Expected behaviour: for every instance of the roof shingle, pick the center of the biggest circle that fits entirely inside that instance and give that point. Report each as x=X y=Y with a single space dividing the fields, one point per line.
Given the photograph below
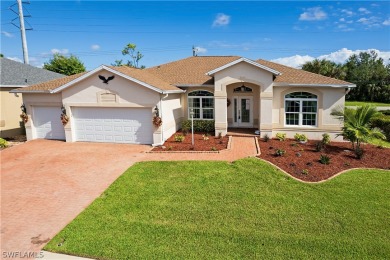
x=13 y=73
x=192 y=71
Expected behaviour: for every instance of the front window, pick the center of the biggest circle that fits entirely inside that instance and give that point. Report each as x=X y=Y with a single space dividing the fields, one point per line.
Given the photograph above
x=202 y=104
x=301 y=109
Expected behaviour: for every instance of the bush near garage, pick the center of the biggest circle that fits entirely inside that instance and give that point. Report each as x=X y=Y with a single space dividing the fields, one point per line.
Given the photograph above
x=207 y=126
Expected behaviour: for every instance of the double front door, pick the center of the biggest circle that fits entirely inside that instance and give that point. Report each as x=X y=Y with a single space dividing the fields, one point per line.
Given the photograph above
x=242 y=111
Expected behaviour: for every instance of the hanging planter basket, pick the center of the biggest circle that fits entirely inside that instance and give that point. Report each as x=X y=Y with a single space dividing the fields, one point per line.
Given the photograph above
x=64 y=119
x=157 y=121
x=24 y=116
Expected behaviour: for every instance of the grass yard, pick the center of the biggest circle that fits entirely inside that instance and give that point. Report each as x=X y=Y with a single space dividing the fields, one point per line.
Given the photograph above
x=248 y=209
x=361 y=103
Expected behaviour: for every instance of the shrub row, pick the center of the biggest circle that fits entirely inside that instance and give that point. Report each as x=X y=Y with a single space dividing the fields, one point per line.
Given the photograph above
x=382 y=123
x=199 y=126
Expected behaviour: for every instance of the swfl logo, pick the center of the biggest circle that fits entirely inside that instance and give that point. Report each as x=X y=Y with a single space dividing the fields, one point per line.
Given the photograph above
x=20 y=254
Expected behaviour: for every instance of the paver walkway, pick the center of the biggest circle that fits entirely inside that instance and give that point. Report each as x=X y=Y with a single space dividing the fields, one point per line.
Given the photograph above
x=241 y=147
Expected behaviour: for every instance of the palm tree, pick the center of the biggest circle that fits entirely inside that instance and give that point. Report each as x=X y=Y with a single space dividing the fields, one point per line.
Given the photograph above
x=357 y=127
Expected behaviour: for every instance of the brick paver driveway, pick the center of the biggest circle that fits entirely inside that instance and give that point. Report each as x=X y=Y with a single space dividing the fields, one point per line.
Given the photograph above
x=45 y=184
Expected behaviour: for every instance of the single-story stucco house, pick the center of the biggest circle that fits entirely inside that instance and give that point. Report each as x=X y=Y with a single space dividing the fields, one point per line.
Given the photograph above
x=15 y=75
x=117 y=104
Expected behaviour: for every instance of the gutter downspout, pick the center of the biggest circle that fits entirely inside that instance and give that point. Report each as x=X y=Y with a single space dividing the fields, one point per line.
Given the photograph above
x=162 y=118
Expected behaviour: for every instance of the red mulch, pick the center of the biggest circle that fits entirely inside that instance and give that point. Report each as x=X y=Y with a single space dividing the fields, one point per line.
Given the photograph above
x=340 y=153
x=199 y=143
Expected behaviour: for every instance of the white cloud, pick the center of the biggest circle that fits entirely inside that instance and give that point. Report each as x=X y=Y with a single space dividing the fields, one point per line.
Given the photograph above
x=339 y=56
x=342 y=19
x=95 y=47
x=386 y=22
x=7 y=34
x=347 y=12
x=295 y=61
x=267 y=39
x=221 y=20
x=313 y=14
x=63 y=51
x=15 y=59
x=370 y=21
x=363 y=10
x=200 y=50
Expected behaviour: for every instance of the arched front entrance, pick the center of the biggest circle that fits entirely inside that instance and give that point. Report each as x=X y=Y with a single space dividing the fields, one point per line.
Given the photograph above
x=243 y=105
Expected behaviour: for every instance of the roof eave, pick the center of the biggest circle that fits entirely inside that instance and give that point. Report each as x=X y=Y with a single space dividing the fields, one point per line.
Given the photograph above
x=29 y=91
x=212 y=72
x=284 y=84
x=62 y=87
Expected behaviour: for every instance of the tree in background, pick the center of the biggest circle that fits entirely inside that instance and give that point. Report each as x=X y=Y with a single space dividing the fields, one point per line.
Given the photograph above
x=371 y=76
x=64 y=65
x=135 y=57
x=366 y=70
x=326 y=68
x=1 y=55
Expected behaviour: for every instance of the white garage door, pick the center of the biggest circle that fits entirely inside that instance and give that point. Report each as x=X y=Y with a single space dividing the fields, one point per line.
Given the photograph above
x=113 y=125
x=47 y=123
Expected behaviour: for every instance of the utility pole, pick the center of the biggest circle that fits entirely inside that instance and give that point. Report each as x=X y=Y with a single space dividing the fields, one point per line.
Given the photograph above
x=23 y=32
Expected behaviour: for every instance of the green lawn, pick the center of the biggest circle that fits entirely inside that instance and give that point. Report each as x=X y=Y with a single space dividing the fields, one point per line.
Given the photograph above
x=217 y=210
x=361 y=103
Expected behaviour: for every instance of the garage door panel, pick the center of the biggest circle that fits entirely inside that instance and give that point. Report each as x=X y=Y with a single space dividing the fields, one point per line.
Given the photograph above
x=47 y=123
x=119 y=125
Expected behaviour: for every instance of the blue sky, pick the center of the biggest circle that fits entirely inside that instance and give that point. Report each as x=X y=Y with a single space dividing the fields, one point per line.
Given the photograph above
x=288 y=32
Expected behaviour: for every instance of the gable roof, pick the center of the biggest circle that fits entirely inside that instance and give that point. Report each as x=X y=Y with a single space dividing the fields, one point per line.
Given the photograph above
x=212 y=72
x=292 y=76
x=191 y=70
x=13 y=73
x=139 y=76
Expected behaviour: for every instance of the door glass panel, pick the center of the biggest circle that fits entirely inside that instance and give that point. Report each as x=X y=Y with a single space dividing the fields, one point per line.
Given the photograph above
x=235 y=110
x=245 y=110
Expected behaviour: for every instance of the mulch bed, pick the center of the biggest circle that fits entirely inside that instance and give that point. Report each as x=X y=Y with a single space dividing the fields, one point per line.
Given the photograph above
x=302 y=160
x=212 y=144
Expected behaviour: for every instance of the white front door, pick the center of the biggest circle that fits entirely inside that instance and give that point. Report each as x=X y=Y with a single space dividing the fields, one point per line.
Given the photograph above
x=47 y=123
x=242 y=111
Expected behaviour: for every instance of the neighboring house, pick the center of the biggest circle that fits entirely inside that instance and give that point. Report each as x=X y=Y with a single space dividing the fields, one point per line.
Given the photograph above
x=233 y=91
x=16 y=75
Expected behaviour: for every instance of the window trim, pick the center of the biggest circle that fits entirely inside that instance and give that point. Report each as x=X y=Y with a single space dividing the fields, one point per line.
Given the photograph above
x=201 y=104
x=300 y=113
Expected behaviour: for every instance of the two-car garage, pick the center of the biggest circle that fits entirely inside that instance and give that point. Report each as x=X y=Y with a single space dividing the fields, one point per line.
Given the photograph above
x=113 y=125
x=96 y=124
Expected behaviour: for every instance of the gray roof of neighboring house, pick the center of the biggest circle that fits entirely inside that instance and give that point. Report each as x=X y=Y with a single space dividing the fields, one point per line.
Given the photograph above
x=13 y=73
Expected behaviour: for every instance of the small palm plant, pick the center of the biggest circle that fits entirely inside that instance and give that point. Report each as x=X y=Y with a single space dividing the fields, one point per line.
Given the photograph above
x=357 y=127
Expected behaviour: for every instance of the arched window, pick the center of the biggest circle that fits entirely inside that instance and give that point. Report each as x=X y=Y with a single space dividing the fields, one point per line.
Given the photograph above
x=242 y=89
x=201 y=102
x=301 y=109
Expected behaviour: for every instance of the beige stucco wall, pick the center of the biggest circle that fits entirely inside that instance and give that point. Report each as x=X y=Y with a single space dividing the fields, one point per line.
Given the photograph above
x=239 y=73
x=35 y=99
x=328 y=99
x=10 y=122
x=172 y=114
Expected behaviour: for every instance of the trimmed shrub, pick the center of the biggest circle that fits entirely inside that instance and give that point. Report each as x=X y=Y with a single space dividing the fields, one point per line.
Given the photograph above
x=324 y=159
x=300 y=137
x=179 y=138
x=3 y=143
x=199 y=126
x=383 y=123
x=281 y=136
x=325 y=139
x=280 y=152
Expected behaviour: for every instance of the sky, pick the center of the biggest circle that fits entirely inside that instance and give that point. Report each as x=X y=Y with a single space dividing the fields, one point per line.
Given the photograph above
x=288 y=32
